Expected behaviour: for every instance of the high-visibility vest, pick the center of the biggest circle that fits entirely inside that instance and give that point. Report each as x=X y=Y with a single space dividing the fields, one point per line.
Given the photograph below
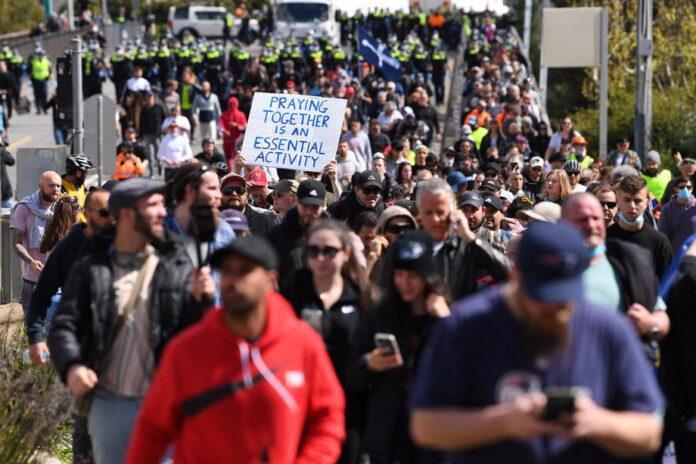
x=127 y=168
x=40 y=68
x=186 y=103
x=658 y=184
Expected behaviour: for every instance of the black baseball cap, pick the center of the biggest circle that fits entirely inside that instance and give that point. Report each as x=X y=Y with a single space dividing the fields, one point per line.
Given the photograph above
x=368 y=179
x=471 y=198
x=207 y=141
x=413 y=251
x=311 y=192
x=493 y=202
x=492 y=166
x=490 y=185
x=255 y=248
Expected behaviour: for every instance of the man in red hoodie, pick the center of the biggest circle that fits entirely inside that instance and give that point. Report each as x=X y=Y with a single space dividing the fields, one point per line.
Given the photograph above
x=233 y=124
x=250 y=383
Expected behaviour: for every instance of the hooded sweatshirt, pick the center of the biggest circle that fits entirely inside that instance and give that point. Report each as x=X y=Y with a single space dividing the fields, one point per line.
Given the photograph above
x=677 y=221
x=233 y=115
x=281 y=401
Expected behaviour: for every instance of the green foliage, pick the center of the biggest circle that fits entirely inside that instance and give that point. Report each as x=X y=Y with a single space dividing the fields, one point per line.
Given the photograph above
x=34 y=405
x=19 y=15
x=674 y=76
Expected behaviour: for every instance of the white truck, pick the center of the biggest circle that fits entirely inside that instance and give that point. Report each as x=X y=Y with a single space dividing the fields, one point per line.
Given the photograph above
x=296 y=18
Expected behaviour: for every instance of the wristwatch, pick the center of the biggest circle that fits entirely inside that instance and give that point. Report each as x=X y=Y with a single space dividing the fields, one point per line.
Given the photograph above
x=654 y=330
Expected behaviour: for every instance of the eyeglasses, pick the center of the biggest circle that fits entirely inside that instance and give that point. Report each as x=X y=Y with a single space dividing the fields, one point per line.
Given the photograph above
x=372 y=191
x=608 y=204
x=238 y=189
x=313 y=251
x=398 y=228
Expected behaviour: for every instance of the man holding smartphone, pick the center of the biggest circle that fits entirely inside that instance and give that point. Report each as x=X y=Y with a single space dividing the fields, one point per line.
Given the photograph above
x=480 y=388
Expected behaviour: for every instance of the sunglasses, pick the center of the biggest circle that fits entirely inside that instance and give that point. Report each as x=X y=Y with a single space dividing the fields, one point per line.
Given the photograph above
x=685 y=186
x=372 y=191
x=398 y=228
x=103 y=213
x=573 y=173
x=238 y=189
x=608 y=204
x=313 y=251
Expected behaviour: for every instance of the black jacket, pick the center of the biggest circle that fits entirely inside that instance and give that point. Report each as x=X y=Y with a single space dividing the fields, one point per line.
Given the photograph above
x=386 y=436
x=339 y=322
x=679 y=346
x=217 y=157
x=84 y=321
x=466 y=269
x=287 y=239
x=259 y=223
x=348 y=209
x=53 y=276
x=6 y=159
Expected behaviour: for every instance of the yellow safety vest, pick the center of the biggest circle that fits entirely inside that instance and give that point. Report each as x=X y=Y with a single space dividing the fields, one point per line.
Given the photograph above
x=40 y=68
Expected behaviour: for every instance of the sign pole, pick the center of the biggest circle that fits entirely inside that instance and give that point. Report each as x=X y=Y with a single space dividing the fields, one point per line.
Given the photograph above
x=100 y=138
x=78 y=128
x=604 y=83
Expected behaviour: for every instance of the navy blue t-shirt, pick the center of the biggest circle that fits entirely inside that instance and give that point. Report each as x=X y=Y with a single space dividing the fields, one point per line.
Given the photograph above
x=475 y=358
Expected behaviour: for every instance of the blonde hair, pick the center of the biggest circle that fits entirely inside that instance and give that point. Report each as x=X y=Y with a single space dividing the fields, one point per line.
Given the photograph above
x=562 y=176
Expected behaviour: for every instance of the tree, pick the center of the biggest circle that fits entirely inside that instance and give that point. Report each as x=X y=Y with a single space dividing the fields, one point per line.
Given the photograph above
x=674 y=76
x=19 y=15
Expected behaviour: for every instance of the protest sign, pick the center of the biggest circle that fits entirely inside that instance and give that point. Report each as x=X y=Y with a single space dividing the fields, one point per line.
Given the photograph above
x=293 y=131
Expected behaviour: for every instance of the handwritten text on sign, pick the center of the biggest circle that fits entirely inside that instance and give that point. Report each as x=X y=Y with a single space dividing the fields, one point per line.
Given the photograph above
x=293 y=131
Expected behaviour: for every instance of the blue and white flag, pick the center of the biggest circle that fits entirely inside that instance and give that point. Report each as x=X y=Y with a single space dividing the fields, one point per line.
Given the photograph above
x=377 y=54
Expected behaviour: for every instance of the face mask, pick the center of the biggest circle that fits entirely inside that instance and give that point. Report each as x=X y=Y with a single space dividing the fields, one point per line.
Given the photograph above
x=449 y=162
x=684 y=194
x=596 y=251
x=639 y=220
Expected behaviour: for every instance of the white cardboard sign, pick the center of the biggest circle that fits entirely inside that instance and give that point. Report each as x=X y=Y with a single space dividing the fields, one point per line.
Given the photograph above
x=293 y=131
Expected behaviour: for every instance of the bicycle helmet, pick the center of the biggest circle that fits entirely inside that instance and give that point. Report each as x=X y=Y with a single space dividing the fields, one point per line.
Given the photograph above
x=571 y=166
x=74 y=163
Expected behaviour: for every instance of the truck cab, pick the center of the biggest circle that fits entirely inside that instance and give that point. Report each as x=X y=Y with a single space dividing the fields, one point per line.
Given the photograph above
x=296 y=18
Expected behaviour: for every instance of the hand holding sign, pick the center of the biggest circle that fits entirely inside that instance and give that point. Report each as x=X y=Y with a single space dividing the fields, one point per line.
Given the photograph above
x=293 y=131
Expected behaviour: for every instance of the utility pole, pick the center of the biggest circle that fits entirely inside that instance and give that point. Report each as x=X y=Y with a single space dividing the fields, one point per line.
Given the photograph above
x=78 y=126
x=527 y=26
x=643 y=112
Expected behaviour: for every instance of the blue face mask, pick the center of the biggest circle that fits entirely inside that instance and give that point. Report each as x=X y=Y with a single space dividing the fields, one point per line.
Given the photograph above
x=639 y=220
x=684 y=194
x=596 y=251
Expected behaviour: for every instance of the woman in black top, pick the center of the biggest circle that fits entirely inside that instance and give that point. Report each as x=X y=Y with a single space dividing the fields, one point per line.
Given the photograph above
x=330 y=293
x=413 y=302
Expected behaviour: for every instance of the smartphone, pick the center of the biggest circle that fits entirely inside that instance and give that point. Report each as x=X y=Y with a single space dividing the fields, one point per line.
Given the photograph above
x=383 y=340
x=314 y=317
x=561 y=400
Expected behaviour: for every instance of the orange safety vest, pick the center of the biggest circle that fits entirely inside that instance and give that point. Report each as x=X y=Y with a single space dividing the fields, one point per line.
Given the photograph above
x=127 y=168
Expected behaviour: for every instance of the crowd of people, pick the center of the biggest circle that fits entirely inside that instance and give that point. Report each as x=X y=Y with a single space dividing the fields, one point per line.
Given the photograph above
x=497 y=300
